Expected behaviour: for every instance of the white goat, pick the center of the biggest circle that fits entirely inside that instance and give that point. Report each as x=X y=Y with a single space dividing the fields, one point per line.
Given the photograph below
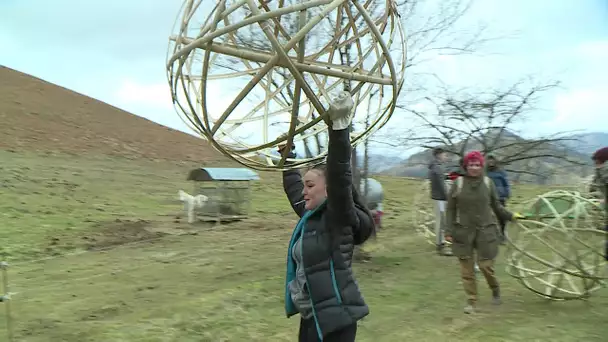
x=191 y=203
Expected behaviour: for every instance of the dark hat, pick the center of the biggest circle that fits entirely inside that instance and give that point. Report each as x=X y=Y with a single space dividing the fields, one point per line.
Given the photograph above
x=437 y=151
x=601 y=155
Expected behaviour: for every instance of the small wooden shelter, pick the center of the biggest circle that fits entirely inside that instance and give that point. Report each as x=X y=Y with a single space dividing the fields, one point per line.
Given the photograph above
x=228 y=190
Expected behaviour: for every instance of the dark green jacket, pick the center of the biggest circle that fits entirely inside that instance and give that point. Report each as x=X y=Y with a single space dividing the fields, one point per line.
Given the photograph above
x=470 y=219
x=328 y=239
x=600 y=181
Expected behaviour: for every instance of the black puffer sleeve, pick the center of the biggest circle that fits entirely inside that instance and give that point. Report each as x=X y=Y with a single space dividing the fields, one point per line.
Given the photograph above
x=341 y=208
x=365 y=228
x=293 y=187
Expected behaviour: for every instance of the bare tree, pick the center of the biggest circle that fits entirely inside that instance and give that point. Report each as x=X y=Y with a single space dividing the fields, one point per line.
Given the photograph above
x=346 y=24
x=433 y=28
x=487 y=121
x=280 y=80
x=440 y=28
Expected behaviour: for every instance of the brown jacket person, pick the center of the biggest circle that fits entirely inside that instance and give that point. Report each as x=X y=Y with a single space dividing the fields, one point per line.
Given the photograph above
x=472 y=227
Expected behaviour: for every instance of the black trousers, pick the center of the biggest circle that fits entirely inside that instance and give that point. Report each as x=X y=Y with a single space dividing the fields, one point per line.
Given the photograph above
x=502 y=222
x=308 y=333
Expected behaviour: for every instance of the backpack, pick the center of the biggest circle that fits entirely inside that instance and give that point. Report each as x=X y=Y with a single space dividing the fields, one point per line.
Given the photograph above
x=460 y=181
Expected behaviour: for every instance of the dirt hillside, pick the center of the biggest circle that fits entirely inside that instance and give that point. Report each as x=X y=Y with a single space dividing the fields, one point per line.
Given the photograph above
x=36 y=115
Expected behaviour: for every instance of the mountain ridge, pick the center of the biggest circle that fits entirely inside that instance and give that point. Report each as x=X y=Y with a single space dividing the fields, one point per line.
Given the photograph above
x=548 y=170
x=41 y=116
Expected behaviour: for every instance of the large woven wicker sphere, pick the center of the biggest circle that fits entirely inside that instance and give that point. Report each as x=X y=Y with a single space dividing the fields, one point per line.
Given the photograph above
x=558 y=250
x=424 y=212
x=250 y=71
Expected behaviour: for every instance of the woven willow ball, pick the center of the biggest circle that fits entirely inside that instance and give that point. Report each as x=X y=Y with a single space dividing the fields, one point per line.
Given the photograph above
x=424 y=212
x=250 y=71
x=558 y=250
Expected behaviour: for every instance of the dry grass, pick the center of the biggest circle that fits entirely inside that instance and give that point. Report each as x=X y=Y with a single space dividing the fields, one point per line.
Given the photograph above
x=226 y=283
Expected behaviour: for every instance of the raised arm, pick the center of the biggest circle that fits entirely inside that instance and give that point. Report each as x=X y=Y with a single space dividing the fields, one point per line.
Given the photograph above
x=293 y=187
x=340 y=203
x=341 y=209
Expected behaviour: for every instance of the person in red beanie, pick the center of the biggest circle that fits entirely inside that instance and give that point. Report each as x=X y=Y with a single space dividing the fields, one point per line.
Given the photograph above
x=472 y=227
x=601 y=172
x=600 y=182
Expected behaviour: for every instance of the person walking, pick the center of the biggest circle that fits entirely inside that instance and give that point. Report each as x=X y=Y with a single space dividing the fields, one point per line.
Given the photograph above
x=320 y=284
x=503 y=189
x=455 y=175
x=600 y=181
x=472 y=228
x=437 y=178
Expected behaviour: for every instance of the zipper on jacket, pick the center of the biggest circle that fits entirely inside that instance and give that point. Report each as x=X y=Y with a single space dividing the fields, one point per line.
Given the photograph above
x=334 y=283
x=312 y=304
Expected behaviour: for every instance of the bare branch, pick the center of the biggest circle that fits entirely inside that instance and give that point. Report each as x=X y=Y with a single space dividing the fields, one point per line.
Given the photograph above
x=485 y=121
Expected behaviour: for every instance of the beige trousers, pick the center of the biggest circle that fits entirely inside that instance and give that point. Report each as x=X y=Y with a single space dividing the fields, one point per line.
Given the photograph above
x=439 y=221
x=467 y=273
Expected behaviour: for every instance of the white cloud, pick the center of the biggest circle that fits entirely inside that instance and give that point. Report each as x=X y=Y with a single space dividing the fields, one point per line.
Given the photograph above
x=132 y=92
x=594 y=49
x=581 y=108
x=584 y=104
x=563 y=41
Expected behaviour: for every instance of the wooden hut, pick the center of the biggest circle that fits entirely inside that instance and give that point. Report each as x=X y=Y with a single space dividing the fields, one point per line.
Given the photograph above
x=228 y=190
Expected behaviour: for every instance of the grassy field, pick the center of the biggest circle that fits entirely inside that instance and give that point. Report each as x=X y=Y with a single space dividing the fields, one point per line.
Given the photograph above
x=84 y=216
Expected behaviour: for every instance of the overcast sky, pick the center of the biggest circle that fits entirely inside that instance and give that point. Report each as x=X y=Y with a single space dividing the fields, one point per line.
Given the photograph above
x=115 y=51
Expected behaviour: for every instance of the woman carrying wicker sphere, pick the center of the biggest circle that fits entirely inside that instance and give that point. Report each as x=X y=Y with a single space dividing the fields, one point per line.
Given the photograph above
x=333 y=219
x=472 y=227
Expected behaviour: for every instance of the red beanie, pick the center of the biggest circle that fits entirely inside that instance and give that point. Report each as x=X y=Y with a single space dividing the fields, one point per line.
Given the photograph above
x=473 y=156
x=601 y=155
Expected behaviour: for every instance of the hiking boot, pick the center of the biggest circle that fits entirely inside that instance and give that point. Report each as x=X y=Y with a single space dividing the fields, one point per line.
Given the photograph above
x=496 y=297
x=469 y=309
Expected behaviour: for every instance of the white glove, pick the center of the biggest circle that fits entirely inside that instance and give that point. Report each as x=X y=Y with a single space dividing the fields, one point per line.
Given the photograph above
x=340 y=110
